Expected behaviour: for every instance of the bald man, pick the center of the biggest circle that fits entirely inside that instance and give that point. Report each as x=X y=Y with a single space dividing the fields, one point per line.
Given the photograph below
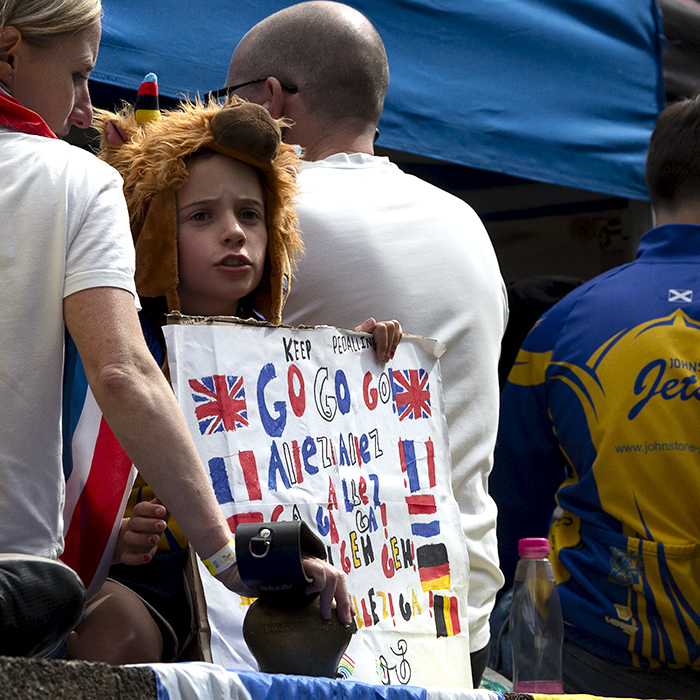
x=380 y=242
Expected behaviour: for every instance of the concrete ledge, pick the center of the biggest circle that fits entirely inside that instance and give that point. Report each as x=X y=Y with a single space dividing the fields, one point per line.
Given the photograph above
x=35 y=679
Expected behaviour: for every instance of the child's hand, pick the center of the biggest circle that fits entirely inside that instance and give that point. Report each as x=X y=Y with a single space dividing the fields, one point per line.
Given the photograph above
x=139 y=535
x=387 y=335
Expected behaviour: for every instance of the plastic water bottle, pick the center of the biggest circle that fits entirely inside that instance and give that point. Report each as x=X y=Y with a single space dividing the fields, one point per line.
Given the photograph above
x=536 y=626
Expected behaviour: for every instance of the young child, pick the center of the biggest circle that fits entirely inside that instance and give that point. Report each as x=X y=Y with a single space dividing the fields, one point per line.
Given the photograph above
x=210 y=191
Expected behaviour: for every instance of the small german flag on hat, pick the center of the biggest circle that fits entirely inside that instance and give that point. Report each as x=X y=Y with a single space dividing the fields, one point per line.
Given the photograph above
x=147 y=108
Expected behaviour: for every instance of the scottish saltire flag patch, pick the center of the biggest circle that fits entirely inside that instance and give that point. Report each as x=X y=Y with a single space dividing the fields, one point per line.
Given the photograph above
x=684 y=295
x=220 y=403
x=411 y=391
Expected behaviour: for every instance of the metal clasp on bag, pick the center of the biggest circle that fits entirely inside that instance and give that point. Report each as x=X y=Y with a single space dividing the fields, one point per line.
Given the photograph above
x=265 y=538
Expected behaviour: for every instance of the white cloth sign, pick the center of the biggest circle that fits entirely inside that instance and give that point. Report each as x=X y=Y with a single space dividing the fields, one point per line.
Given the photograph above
x=306 y=423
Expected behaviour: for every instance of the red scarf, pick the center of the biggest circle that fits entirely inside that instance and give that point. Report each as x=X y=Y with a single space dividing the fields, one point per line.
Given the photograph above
x=15 y=115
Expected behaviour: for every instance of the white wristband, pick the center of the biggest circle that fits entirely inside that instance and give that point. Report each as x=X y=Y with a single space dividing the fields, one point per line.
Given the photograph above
x=223 y=559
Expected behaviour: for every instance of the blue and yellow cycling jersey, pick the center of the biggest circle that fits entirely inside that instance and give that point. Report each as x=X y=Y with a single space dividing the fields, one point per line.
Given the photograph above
x=602 y=407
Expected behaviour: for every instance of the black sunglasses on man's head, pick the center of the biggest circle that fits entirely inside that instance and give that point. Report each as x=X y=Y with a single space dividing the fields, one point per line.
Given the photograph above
x=225 y=92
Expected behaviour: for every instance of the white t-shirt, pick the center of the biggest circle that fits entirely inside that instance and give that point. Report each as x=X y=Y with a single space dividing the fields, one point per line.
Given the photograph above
x=64 y=228
x=385 y=244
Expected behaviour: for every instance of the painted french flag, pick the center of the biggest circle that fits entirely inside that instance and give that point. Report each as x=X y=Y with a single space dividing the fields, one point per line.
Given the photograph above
x=419 y=469
x=99 y=477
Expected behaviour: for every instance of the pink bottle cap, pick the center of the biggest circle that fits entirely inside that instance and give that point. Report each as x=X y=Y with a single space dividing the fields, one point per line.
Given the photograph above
x=533 y=547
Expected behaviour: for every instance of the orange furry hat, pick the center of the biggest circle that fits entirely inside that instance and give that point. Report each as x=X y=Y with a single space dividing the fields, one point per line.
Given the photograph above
x=152 y=162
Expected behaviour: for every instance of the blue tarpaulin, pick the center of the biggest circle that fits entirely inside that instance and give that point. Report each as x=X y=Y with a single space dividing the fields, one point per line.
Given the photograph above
x=559 y=91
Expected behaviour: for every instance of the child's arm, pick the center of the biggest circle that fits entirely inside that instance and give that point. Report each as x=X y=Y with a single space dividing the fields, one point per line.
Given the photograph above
x=387 y=335
x=139 y=535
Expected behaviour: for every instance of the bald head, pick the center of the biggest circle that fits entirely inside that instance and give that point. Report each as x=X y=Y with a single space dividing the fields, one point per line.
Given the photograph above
x=330 y=51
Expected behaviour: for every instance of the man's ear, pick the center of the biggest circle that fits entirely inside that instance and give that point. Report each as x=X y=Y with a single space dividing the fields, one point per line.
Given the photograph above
x=274 y=98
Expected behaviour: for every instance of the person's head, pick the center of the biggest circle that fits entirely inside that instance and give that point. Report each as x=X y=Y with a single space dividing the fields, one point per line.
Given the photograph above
x=210 y=191
x=326 y=67
x=673 y=161
x=48 y=49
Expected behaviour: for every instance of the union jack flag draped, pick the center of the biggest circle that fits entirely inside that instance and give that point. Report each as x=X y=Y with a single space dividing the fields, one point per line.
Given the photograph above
x=99 y=476
x=98 y=473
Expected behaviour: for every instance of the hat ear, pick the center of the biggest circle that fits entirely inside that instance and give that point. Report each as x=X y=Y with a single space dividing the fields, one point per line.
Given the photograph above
x=156 y=251
x=271 y=294
x=246 y=131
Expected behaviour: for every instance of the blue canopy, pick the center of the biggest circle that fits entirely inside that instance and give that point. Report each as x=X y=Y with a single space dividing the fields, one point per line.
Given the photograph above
x=559 y=91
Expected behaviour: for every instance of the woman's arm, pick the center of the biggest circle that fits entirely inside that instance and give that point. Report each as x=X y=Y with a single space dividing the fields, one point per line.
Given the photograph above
x=143 y=413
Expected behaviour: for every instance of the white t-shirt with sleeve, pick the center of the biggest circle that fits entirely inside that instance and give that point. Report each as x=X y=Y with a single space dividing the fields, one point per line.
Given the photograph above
x=64 y=227
x=386 y=244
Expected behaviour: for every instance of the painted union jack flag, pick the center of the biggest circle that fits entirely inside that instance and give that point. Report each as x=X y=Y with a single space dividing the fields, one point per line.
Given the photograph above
x=411 y=393
x=219 y=403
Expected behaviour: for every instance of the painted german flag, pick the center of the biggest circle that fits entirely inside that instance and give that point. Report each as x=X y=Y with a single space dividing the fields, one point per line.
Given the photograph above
x=433 y=567
x=446 y=612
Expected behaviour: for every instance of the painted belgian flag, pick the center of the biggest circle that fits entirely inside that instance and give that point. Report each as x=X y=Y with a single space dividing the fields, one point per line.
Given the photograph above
x=446 y=612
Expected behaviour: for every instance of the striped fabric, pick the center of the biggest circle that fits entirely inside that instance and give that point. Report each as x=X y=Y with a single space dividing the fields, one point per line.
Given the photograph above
x=189 y=681
x=98 y=474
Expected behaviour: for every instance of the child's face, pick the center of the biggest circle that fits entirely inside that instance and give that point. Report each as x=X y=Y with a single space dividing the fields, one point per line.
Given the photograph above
x=221 y=235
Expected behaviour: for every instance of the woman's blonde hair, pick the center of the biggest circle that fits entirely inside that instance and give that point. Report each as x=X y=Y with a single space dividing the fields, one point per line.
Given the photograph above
x=40 y=20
